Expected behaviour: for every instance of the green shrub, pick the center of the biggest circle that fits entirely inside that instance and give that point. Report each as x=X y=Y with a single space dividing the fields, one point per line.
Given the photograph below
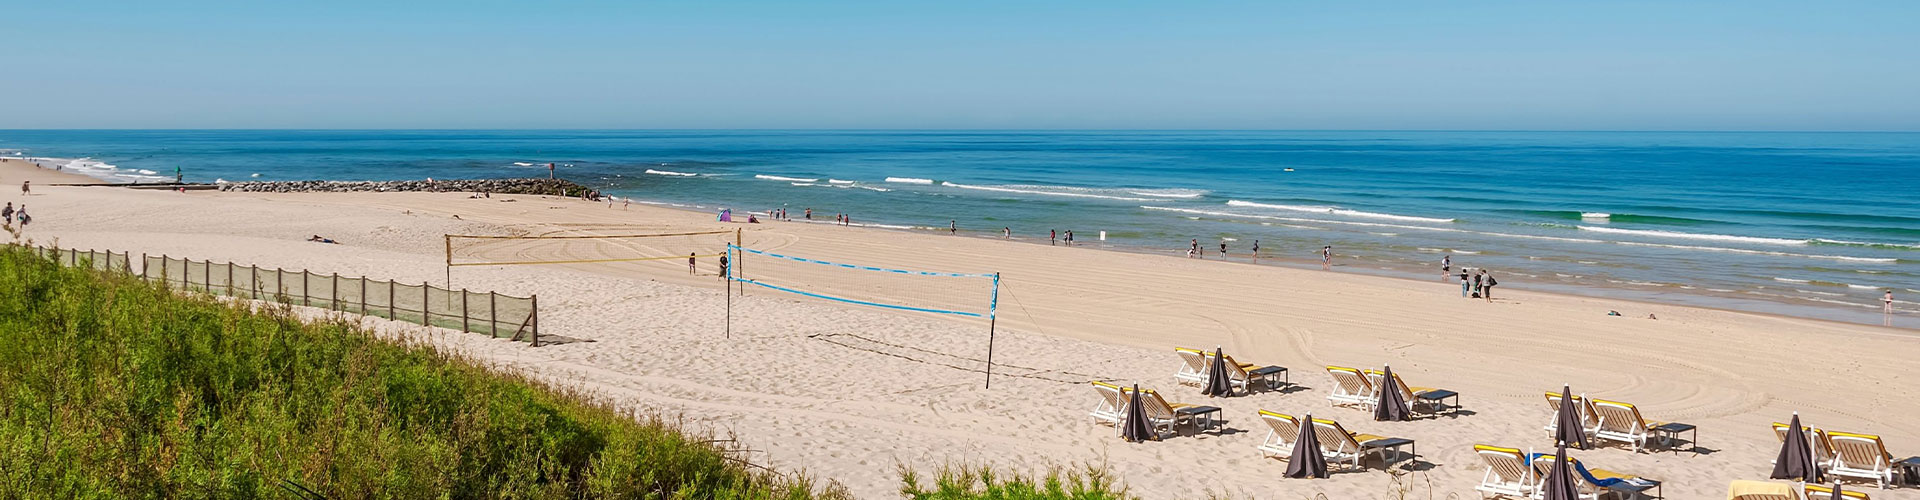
x=112 y=388
x=971 y=482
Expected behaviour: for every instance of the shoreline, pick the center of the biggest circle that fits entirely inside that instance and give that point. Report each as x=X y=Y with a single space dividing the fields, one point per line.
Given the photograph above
x=1659 y=294
x=846 y=392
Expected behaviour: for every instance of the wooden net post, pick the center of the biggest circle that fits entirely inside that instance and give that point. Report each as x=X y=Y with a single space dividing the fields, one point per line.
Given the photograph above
x=426 y=304
x=390 y=301
x=334 y=298
x=493 y=314
x=463 y=311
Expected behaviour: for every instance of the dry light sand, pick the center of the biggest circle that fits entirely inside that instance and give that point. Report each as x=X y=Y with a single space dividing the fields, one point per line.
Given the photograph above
x=849 y=393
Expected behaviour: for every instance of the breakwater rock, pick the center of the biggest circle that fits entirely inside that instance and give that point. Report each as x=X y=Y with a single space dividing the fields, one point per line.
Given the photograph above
x=560 y=187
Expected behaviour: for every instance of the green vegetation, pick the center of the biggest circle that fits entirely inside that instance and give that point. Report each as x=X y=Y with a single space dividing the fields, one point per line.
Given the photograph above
x=968 y=483
x=111 y=388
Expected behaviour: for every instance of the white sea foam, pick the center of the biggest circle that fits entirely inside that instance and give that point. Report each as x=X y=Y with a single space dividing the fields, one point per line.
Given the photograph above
x=909 y=180
x=1169 y=193
x=1695 y=236
x=779 y=178
x=1045 y=190
x=672 y=173
x=871 y=188
x=255 y=174
x=1337 y=211
x=522 y=164
x=1789 y=280
x=99 y=170
x=1874 y=260
x=1863 y=287
x=1596 y=215
x=838 y=181
x=146 y=172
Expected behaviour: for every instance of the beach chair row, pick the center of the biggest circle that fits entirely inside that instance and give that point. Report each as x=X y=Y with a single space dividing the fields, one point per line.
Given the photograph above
x=1849 y=454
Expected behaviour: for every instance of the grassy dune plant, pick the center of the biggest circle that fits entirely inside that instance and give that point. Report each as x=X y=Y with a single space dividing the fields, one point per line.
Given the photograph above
x=961 y=482
x=113 y=388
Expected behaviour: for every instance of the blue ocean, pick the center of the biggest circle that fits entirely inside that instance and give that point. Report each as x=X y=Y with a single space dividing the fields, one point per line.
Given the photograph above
x=1808 y=224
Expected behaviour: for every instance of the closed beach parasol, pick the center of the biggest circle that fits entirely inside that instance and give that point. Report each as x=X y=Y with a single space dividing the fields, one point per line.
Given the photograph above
x=1559 y=483
x=1837 y=494
x=1217 y=383
x=1796 y=457
x=1567 y=427
x=1306 y=461
x=1136 y=428
x=1392 y=405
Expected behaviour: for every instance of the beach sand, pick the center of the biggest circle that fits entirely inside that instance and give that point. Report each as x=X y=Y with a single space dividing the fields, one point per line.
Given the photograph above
x=851 y=393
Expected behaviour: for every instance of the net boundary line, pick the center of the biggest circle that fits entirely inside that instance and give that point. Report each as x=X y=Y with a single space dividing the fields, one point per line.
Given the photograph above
x=861 y=302
x=579 y=261
x=863 y=268
x=580 y=237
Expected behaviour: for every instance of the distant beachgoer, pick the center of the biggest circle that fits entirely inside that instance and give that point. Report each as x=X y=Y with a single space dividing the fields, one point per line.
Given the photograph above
x=1466 y=285
x=1223 y=249
x=1476 y=283
x=1446 y=266
x=1069 y=237
x=1006 y=233
x=550 y=174
x=752 y=220
x=809 y=214
x=1651 y=316
x=690 y=264
x=318 y=239
x=1326 y=257
x=1193 y=248
x=1052 y=235
x=1256 y=249
x=1486 y=289
x=22 y=215
x=26 y=187
x=723 y=268
x=952 y=227
x=626 y=202
x=1613 y=313
x=6 y=214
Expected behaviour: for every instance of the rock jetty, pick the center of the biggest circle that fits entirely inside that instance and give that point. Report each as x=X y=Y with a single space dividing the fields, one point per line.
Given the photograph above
x=561 y=187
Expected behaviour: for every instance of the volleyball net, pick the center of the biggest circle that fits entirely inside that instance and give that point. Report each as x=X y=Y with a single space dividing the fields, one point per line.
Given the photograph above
x=973 y=295
x=968 y=295
x=583 y=247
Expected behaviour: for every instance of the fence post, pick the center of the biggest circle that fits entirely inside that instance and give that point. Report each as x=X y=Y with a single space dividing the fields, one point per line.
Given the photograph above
x=206 y=271
x=163 y=273
x=536 y=321
x=493 y=314
x=229 y=278
x=143 y=268
x=390 y=301
x=426 y=304
x=335 y=297
x=463 y=311
x=306 y=291
x=363 y=295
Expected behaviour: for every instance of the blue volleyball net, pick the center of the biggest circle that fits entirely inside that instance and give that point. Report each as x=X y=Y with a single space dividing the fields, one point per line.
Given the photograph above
x=973 y=295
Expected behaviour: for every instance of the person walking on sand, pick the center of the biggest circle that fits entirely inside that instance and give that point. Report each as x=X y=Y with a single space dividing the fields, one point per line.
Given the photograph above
x=953 y=227
x=1446 y=266
x=1326 y=258
x=690 y=264
x=723 y=268
x=26 y=188
x=1486 y=286
x=1256 y=249
x=809 y=213
x=6 y=215
x=1476 y=283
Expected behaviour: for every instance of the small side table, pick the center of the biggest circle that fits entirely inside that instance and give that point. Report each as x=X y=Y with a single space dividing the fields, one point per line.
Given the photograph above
x=1266 y=375
x=1202 y=417
x=1670 y=432
x=1437 y=400
x=1394 y=444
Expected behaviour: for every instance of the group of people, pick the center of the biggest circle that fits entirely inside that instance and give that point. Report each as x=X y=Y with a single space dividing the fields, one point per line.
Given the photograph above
x=9 y=216
x=1476 y=284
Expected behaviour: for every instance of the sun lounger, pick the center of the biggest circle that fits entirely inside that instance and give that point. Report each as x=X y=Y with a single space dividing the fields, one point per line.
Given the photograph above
x=1350 y=388
x=1282 y=431
x=1594 y=482
x=1164 y=417
x=1589 y=419
x=1108 y=409
x=1622 y=422
x=1761 y=490
x=1818 y=492
x=1193 y=367
x=1861 y=456
x=1507 y=473
x=1413 y=396
x=1340 y=446
x=1817 y=438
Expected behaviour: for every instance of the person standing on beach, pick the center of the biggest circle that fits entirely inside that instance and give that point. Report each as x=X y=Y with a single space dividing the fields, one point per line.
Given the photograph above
x=1466 y=285
x=550 y=174
x=26 y=188
x=809 y=213
x=1486 y=286
x=1446 y=266
x=1052 y=235
x=1476 y=283
x=690 y=266
x=1223 y=248
x=953 y=227
x=1326 y=258
x=1256 y=249
x=1069 y=237
x=1193 y=248
x=6 y=216
x=1006 y=233
x=723 y=268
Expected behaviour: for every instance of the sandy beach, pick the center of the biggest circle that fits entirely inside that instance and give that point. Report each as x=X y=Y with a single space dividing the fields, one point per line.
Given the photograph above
x=851 y=393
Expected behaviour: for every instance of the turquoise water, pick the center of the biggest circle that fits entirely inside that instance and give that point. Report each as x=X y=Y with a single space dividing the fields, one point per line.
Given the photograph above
x=1812 y=224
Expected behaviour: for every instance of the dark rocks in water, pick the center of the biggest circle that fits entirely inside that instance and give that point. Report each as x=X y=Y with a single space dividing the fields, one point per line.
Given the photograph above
x=560 y=187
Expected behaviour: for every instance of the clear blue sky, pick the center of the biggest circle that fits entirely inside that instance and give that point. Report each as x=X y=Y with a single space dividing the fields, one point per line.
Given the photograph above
x=1611 y=65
